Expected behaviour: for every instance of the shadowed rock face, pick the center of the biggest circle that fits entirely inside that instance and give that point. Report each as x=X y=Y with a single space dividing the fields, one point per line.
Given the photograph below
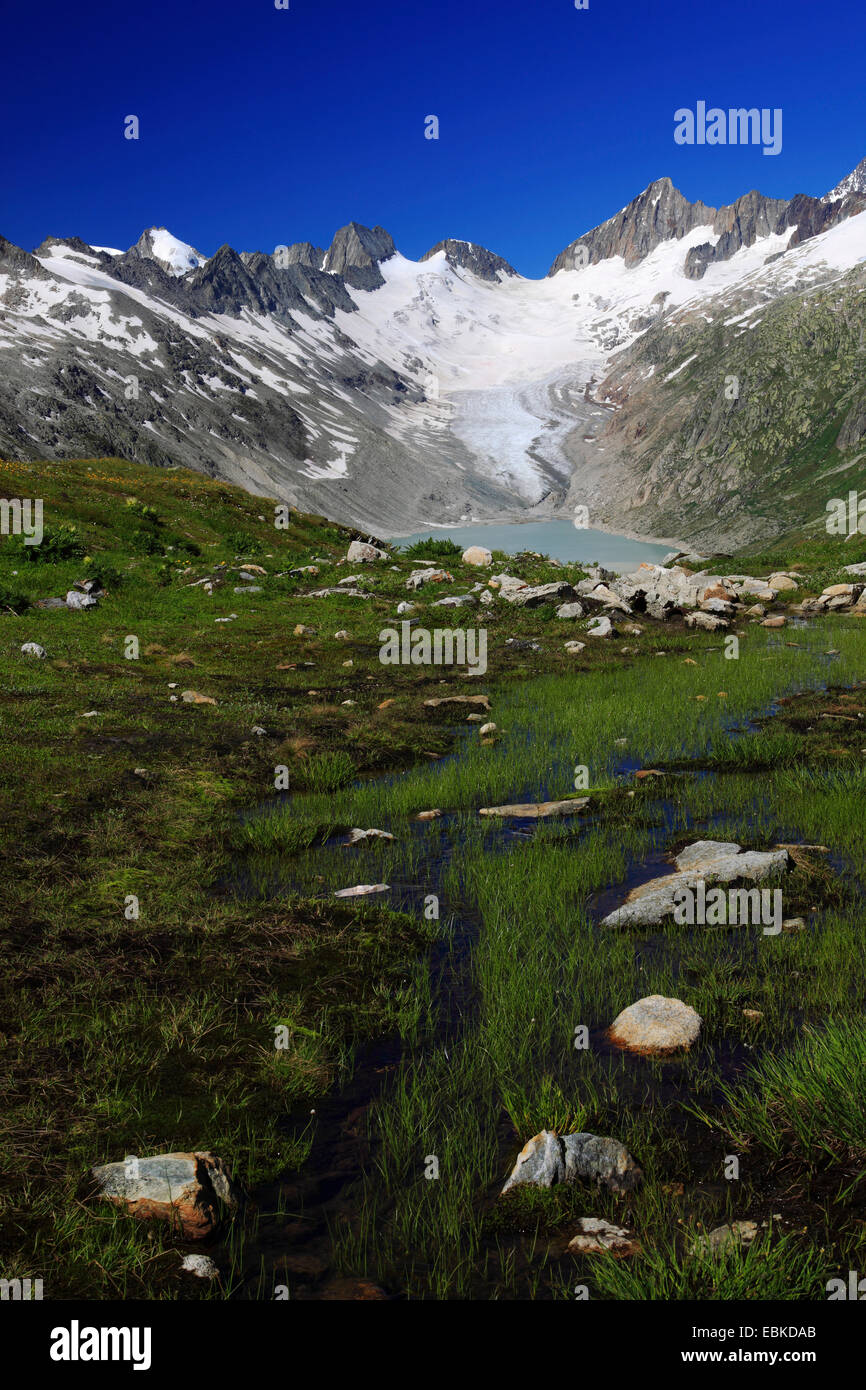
x=355 y=254
x=485 y=264
x=658 y=214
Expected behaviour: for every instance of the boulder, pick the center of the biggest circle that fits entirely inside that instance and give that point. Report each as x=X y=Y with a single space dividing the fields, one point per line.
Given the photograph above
x=602 y=1160
x=602 y=594
x=755 y=588
x=661 y=592
x=536 y=595
x=709 y=622
x=477 y=555
x=549 y=1158
x=600 y=627
x=713 y=861
x=570 y=610
x=363 y=552
x=456 y=601
x=428 y=576
x=780 y=582
x=192 y=1191
x=76 y=600
x=507 y=583
x=656 y=1026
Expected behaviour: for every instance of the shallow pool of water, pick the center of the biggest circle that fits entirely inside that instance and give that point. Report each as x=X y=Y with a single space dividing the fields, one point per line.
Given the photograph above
x=561 y=540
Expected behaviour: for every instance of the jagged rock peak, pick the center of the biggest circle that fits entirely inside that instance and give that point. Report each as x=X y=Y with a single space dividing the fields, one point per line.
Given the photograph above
x=302 y=253
x=658 y=214
x=74 y=243
x=355 y=254
x=855 y=182
x=483 y=263
x=15 y=259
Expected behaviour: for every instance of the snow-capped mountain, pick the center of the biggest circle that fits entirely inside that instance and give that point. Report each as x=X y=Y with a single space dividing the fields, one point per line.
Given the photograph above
x=175 y=257
x=385 y=392
x=853 y=184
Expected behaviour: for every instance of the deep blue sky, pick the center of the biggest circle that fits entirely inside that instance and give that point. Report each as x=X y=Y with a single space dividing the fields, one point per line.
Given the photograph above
x=261 y=127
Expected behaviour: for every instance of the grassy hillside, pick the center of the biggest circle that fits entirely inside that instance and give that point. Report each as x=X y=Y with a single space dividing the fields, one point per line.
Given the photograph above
x=743 y=427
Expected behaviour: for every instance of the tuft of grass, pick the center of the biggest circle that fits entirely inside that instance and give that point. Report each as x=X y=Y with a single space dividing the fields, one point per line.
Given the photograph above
x=325 y=772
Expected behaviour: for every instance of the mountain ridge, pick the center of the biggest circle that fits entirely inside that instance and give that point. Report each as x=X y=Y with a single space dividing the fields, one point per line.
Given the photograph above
x=387 y=392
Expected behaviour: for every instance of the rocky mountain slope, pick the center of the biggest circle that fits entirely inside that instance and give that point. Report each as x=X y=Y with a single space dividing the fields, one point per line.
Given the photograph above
x=391 y=393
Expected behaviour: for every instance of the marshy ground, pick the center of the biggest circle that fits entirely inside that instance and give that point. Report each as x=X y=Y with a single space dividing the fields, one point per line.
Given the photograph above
x=412 y=1035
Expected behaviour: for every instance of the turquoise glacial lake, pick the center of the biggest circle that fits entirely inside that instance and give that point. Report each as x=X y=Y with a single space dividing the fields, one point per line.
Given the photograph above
x=561 y=540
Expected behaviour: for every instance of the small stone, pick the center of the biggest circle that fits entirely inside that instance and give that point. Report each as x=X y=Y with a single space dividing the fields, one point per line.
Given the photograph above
x=429 y=815
x=536 y=810
x=570 y=610
x=342 y=635
x=600 y=627
x=595 y=1236
x=574 y=647
x=202 y=1266
x=487 y=729
x=356 y=836
x=301 y=631
x=735 y=1235
x=194 y=697
x=33 y=649
x=794 y=924
x=361 y=890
